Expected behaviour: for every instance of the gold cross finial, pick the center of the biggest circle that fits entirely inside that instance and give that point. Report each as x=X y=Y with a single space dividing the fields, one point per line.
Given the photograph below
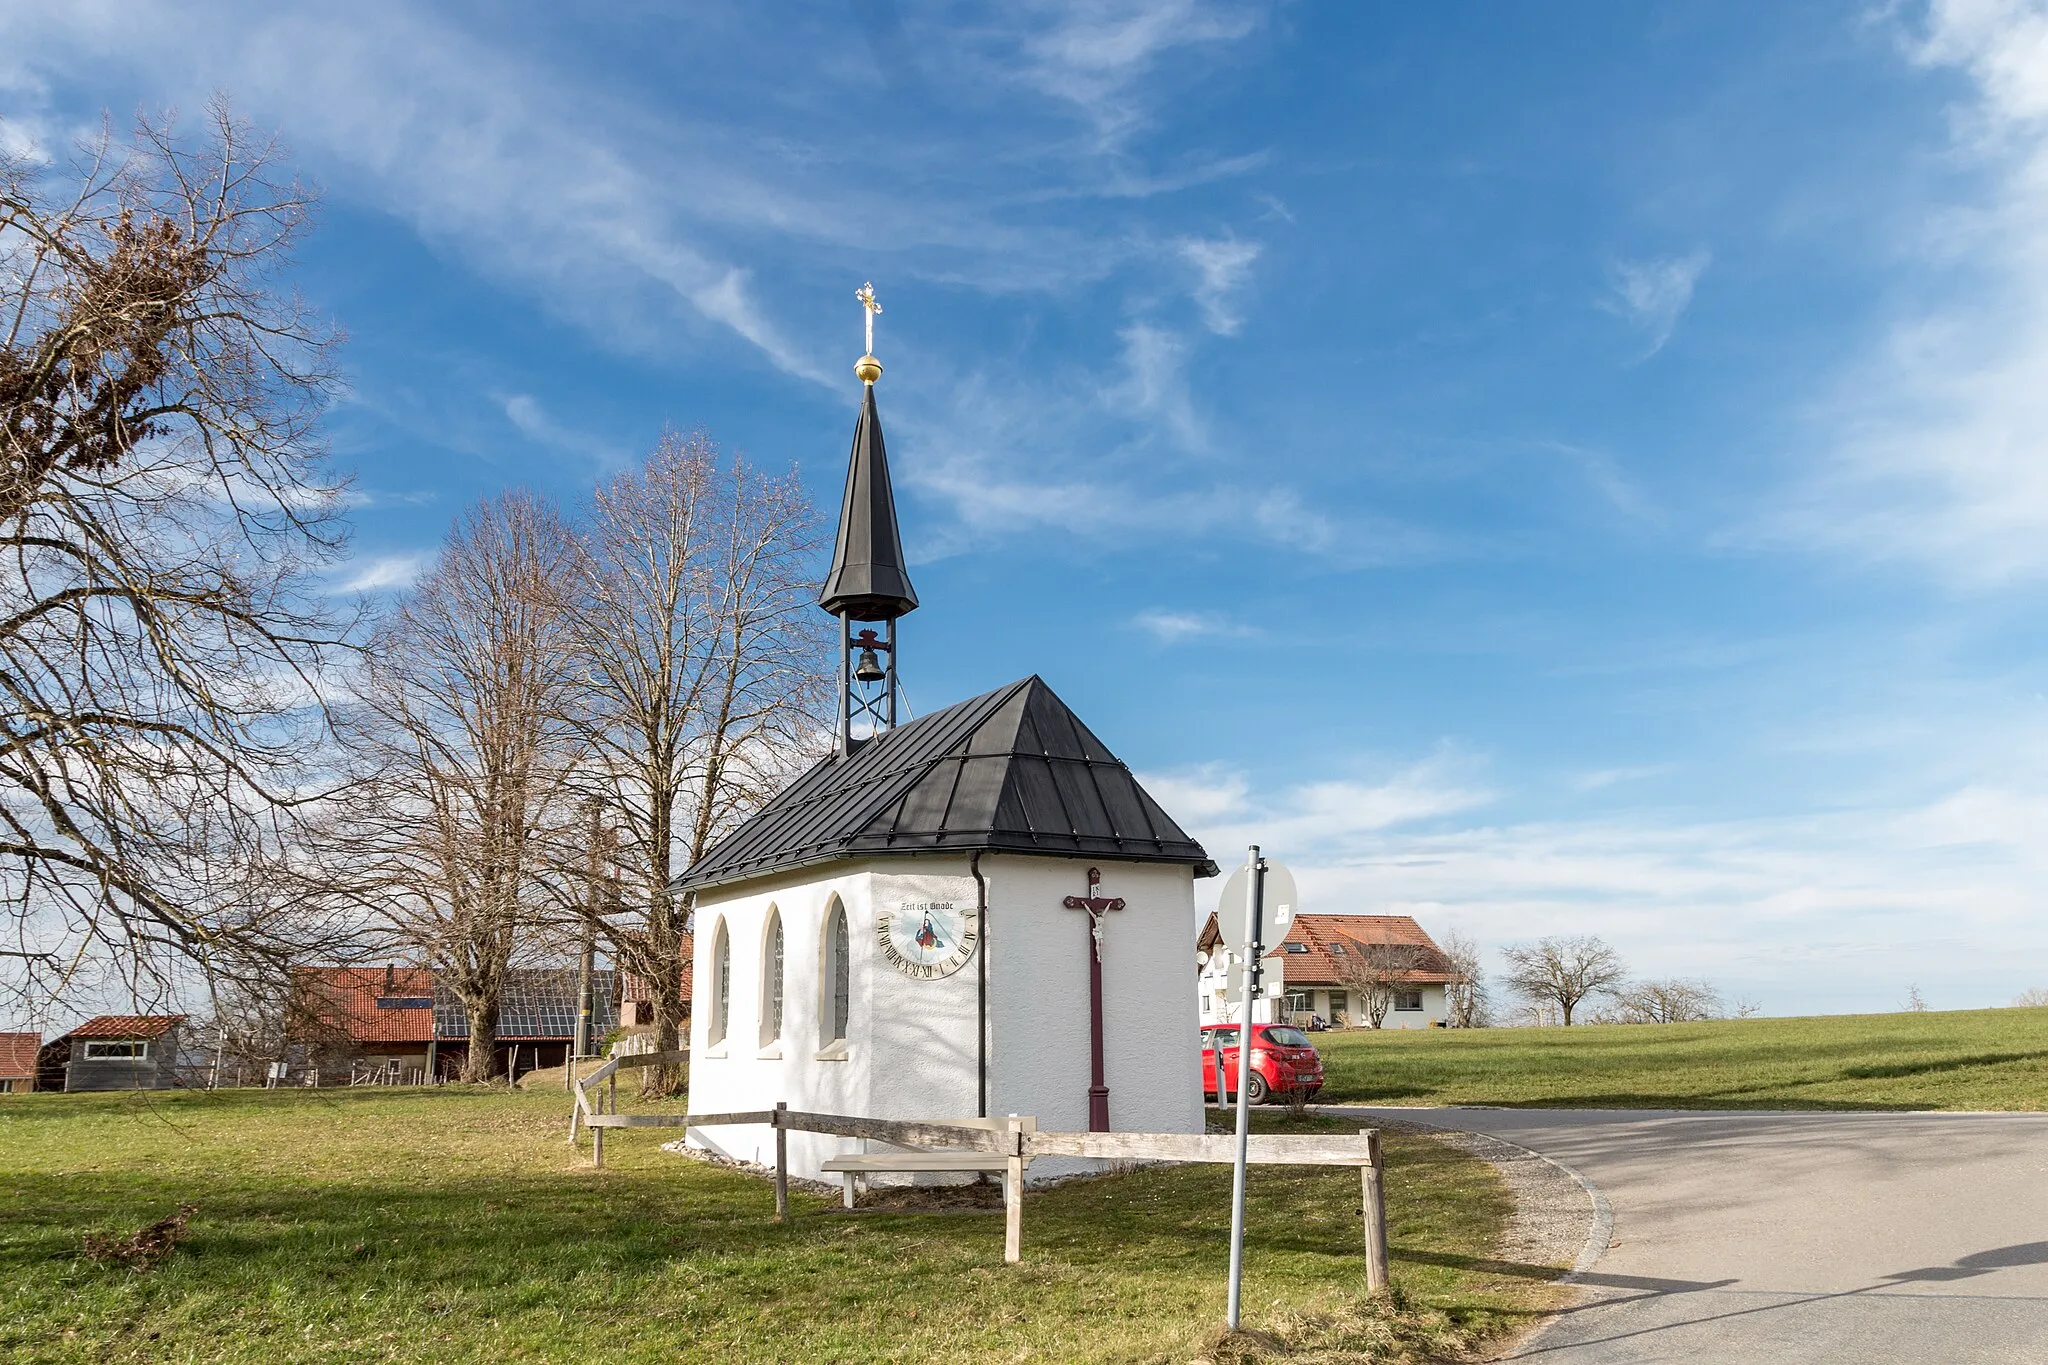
x=869 y=369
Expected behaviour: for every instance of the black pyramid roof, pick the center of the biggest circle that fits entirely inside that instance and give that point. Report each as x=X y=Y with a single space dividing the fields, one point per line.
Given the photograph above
x=868 y=581
x=1012 y=770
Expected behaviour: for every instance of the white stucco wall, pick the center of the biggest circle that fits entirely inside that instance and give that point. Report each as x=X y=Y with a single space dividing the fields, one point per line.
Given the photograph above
x=910 y=1049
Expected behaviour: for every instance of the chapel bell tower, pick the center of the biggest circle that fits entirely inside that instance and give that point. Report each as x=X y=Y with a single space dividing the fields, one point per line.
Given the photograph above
x=868 y=582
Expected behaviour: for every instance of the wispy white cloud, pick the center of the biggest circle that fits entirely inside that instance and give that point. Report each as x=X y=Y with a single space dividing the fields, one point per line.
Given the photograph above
x=1601 y=778
x=1155 y=383
x=1221 y=265
x=1937 y=438
x=1174 y=627
x=525 y=413
x=383 y=572
x=1833 y=909
x=1652 y=295
x=1093 y=52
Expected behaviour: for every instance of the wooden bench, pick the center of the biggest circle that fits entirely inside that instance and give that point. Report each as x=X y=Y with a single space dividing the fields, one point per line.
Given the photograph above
x=855 y=1169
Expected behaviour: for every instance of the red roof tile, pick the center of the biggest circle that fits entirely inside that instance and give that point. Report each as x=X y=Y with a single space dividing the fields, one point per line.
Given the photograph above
x=345 y=998
x=18 y=1055
x=127 y=1026
x=1322 y=935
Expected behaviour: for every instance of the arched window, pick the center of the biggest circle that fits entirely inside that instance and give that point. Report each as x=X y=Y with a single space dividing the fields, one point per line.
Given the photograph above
x=836 y=981
x=771 y=979
x=721 y=979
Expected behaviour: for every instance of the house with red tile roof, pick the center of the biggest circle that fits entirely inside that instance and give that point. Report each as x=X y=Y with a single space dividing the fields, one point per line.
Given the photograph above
x=381 y=1015
x=114 y=1052
x=18 y=1062
x=1319 y=959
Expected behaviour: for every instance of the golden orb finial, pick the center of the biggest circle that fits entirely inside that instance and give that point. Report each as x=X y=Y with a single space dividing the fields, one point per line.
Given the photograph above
x=867 y=369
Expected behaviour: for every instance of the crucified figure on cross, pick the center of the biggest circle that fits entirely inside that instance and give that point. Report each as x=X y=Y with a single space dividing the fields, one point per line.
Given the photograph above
x=1096 y=906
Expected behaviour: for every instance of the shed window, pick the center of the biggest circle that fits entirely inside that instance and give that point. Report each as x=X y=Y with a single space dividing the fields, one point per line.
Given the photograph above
x=721 y=977
x=107 y=1052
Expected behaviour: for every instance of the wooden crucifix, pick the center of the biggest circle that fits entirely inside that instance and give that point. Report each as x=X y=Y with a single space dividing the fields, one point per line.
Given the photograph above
x=1096 y=906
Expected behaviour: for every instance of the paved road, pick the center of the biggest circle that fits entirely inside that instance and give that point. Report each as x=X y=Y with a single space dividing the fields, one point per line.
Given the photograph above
x=1799 y=1239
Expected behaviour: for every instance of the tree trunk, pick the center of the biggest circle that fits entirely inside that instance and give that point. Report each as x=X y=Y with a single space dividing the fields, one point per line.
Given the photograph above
x=480 y=1063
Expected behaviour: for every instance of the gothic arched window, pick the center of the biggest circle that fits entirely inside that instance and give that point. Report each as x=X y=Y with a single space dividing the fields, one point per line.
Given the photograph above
x=836 y=982
x=721 y=981
x=771 y=979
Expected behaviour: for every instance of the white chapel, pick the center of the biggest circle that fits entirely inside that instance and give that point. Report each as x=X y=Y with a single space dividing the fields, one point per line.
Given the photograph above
x=978 y=912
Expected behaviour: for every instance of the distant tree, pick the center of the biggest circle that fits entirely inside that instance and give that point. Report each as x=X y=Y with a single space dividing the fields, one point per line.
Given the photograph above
x=1748 y=1007
x=2032 y=999
x=1914 y=1003
x=1375 y=972
x=1466 y=994
x=1675 y=1001
x=1563 y=971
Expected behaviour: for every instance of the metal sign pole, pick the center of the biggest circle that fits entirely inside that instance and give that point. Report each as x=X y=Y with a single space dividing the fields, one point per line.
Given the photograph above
x=1254 y=892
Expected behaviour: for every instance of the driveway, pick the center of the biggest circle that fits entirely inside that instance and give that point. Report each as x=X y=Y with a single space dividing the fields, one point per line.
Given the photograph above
x=1795 y=1238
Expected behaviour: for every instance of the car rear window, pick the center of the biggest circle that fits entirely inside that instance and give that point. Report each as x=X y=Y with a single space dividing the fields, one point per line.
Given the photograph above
x=1286 y=1037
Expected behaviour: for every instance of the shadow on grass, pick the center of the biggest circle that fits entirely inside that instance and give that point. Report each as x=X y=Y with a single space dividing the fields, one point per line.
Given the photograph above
x=1873 y=1073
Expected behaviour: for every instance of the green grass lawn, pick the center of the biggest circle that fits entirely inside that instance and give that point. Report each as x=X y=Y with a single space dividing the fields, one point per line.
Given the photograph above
x=1965 y=1059
x=377 y=1225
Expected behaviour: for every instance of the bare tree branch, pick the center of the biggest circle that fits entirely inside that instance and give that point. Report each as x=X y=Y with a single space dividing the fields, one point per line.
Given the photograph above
x=163 y=501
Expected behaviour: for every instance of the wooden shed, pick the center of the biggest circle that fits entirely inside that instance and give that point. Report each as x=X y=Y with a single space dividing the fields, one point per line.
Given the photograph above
x=118 y=1052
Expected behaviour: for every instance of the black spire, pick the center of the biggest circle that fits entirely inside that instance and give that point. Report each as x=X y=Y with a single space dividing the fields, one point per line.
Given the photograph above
x=868 y=581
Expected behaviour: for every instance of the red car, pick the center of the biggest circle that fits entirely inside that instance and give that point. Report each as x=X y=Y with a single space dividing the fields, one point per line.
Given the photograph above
x=1282 y=1060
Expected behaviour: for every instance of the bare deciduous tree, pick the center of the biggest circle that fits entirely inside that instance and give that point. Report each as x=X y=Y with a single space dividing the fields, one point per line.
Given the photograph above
x=1674 y=1001
x=702 y=675
x=464 y=752
x=2033 y=998
x=1376 y=972
x=1465 y=995
x=1562 y=971
x=162 y=502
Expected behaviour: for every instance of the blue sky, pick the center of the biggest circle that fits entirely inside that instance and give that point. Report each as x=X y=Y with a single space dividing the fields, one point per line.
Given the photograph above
x=1540 y=468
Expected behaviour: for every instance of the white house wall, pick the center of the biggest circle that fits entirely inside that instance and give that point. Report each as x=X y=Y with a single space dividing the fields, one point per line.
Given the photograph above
x=910 y=1049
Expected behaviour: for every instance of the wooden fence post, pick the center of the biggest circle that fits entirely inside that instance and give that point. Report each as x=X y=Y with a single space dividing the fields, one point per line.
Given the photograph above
x=781 y=1163
x=1375 y=1213
x=1013 y=1190
x=597 y=1148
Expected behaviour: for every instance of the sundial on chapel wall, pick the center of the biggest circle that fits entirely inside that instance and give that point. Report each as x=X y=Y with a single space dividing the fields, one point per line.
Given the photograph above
x=926 y=939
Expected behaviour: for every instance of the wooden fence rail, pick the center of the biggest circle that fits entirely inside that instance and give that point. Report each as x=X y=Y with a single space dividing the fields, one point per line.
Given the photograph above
x=1015 y=1138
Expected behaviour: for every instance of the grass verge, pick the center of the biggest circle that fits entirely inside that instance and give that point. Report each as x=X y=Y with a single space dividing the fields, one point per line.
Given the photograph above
x=456 y=1225
x=1963 y=1059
